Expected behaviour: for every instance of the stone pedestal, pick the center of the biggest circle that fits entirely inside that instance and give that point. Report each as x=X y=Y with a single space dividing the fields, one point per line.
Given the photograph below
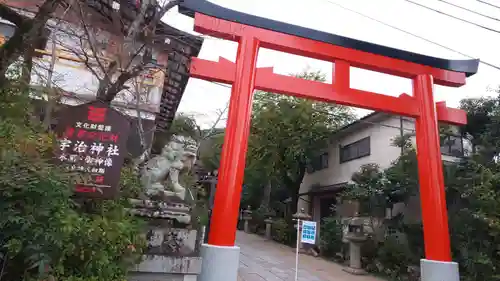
x=269 y=223
x=356 y=237
x=355 y=260
x=173 y=252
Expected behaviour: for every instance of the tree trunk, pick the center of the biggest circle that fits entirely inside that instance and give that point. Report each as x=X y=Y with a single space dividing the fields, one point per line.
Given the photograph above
x=294 y=186
x=51 y=95
x=266 y=199
x=27 y=67
x=26 y=34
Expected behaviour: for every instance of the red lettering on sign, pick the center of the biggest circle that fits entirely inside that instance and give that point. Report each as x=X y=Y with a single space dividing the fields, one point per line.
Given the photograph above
x=114 y=138
x=97 y=114
x=69 y=132
x=109 y=137
x=92 y=136
x=85 y=189
x=99 y=179
x=104 y=137
x=81 y=133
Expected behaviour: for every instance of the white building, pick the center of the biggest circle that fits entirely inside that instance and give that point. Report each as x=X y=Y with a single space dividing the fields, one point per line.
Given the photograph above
x=366 y=141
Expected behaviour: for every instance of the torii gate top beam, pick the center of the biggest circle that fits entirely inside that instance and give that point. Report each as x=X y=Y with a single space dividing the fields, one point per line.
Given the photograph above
x=325 y=46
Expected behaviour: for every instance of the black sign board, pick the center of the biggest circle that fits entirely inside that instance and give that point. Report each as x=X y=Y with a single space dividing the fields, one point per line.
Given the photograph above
x=92 y=140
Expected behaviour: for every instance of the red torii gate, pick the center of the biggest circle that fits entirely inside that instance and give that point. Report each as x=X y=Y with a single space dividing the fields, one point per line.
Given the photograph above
x=220 y=261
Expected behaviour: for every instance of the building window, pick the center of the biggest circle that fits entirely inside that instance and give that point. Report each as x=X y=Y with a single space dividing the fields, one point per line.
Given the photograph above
x=323 y=161
x=355 y=150
x=453 y=146
x=319 y=163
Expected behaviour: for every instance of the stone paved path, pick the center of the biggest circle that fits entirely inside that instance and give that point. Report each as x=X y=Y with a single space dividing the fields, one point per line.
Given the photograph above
x=262 y=260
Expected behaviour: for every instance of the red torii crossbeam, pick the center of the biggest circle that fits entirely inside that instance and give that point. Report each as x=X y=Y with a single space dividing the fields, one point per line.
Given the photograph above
x=267 y=80
x=245 y=77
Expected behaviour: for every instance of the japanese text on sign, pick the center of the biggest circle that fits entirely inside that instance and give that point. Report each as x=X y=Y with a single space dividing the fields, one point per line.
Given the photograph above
x=88 y=147
x=92 y=141
x=308 y=234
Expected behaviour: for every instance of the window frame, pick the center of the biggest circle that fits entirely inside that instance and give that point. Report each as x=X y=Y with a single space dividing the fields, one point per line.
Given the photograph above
x=342 y=148
x=323 y=161
x=319 y=163
x=448 y=147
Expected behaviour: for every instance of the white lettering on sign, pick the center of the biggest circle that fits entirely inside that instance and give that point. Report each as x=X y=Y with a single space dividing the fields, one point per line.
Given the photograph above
x=80 y=147
x=308 y=232
x=64 y=143
x=96 y=148
x=112 y=150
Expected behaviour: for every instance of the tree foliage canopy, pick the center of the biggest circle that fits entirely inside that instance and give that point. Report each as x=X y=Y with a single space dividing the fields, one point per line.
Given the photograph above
x=286 y=135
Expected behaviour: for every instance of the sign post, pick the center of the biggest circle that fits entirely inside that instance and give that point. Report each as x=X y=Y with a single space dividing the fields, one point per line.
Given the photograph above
x=306 y=233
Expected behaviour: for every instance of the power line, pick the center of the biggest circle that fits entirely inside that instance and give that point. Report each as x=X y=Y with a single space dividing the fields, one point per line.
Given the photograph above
x=488 y=3
x=410 y=33
x=469 y=10
x=454 y=17
x=329 y=113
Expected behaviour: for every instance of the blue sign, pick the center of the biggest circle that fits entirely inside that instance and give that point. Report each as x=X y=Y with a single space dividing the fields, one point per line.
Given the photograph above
x=308 y=234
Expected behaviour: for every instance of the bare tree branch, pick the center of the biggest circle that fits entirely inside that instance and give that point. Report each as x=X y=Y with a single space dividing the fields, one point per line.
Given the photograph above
x=212 y=130
x=91 y=42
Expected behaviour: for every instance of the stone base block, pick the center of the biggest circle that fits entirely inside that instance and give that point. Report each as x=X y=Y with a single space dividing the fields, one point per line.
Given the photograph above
x=162 y=277
x=220 y=263
x=438 y=271
x=176 y=242
x=354 y=271
x=154 y=268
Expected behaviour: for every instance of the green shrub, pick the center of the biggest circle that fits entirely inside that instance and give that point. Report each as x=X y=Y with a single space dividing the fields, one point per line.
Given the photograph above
x=331 y=237
x=42 y=231
x=258 y=221
x=284 y=232
x=393 y=257
x=279 y=231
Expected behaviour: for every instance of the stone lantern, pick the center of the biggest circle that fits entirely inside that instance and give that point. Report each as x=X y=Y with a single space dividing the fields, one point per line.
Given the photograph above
x=305 y=249
x=247 y=217
x=269 y=223
x=356 y=236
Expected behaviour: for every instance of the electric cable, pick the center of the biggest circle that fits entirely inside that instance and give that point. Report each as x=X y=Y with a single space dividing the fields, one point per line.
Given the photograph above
x=469 y=10
x=488 y=3
x=454 y=17
x=409 y=33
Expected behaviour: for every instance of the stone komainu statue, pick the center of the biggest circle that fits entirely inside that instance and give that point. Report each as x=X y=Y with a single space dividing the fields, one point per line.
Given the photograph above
x=178 y=155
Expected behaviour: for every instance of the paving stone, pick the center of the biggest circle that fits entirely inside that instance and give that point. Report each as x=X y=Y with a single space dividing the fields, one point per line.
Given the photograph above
x=263 y=260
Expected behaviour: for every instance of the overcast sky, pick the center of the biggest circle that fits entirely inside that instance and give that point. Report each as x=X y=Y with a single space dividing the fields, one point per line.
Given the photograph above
x=204 y=98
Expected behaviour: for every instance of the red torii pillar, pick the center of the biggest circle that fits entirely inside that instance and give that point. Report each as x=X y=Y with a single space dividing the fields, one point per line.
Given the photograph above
x=220 y=255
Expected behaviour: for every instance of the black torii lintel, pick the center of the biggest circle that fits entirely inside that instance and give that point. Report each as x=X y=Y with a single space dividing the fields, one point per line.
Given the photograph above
x=190 y=7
